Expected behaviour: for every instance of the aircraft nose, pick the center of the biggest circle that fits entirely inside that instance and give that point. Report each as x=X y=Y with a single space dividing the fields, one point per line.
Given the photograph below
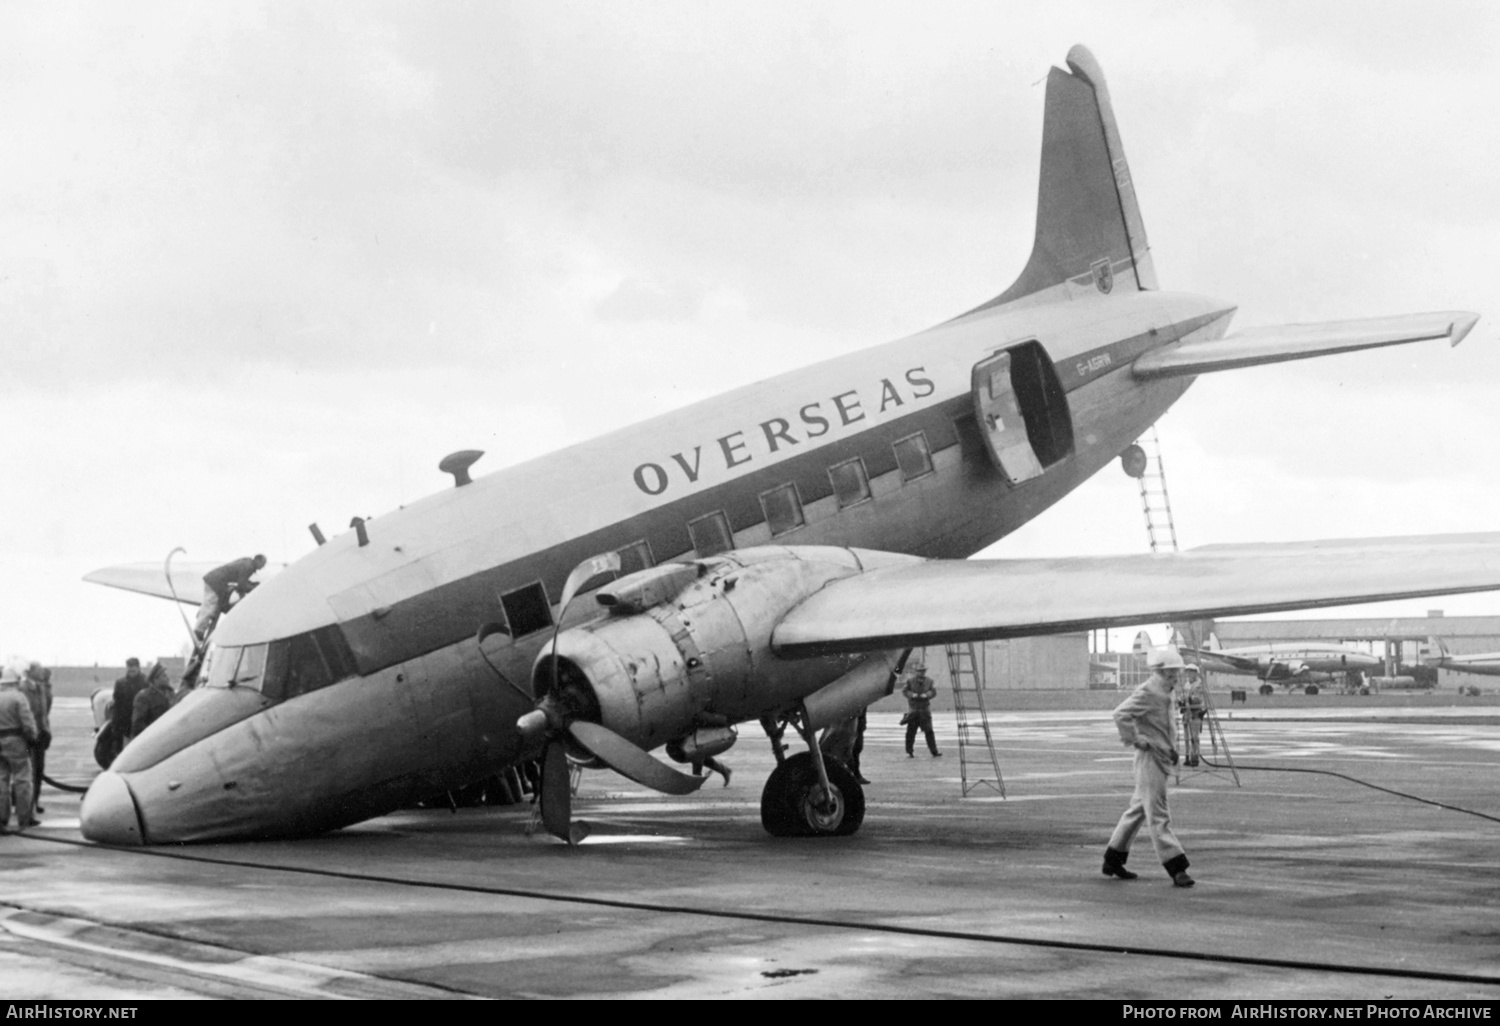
x=108 y=813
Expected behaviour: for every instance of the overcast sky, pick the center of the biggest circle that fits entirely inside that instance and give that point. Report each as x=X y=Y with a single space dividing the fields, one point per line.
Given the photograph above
x=265 y=264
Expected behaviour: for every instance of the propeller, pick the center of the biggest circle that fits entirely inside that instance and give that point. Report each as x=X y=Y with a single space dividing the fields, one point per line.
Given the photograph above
x=556 y=716
x=566 y=714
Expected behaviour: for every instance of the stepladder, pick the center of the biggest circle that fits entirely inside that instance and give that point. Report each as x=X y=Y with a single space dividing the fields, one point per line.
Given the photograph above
x=1202 y=746
x=978 y=764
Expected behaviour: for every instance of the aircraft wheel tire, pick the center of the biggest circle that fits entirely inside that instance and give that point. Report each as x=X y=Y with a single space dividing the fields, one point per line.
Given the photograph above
x=791 y=805
x=1311 y=689
x=1266 y=689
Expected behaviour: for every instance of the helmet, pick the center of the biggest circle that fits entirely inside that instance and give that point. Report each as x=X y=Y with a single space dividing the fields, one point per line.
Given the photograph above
x=1165 y=659
x=1191 y=668
x=11 y=674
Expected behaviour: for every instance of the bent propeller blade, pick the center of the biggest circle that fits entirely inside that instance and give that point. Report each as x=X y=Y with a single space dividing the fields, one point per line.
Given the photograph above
x=630 y=761
x=557 y=797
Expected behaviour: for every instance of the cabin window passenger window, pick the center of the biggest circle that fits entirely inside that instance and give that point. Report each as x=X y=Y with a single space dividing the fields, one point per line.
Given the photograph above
x=711 y=534
x=783 y=509
x=636 y=556
x=851 y=483
x=527 y=609
x=913 y=457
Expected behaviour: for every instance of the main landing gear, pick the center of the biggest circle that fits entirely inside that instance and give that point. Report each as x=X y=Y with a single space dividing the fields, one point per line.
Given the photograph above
x=807 y=794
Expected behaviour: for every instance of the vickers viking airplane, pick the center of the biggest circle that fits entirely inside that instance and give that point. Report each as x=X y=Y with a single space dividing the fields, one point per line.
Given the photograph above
x=768 y=556
x=1290 y=663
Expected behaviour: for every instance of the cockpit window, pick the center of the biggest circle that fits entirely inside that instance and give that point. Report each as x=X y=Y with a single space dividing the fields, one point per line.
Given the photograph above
x=221 y=663
x=307 y=662
x=241 y=667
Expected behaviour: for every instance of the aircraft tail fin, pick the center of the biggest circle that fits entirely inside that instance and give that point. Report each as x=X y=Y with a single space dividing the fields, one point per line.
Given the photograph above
x=1142 y=644
x=1089 y=231
x=1436 y=650
x=1213 y=643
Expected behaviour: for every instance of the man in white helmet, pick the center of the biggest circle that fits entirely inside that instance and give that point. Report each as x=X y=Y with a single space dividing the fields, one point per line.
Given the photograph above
x=1146 y=722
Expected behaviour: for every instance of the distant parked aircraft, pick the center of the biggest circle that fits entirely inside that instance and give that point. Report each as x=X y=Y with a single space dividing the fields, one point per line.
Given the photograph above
x=1435 y=653
x=1290 y=664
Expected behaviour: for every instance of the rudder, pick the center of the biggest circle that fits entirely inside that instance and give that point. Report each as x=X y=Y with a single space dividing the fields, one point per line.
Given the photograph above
x=1089 y=230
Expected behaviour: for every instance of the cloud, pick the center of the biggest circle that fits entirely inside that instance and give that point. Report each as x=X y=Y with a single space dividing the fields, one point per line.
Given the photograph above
x=266 y=264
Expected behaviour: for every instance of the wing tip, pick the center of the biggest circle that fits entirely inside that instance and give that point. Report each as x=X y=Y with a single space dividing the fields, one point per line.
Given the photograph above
x=1461 y=326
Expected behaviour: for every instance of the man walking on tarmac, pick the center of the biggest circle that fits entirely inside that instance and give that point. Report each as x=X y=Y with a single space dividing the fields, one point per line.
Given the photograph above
x=1146 y=721
x=219 y=584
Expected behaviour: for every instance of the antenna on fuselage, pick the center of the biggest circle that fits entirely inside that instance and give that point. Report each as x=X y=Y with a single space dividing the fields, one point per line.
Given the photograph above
x=458 y=464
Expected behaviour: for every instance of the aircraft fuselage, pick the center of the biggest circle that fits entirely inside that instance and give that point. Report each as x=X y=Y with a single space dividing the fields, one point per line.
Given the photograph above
x=419 y=711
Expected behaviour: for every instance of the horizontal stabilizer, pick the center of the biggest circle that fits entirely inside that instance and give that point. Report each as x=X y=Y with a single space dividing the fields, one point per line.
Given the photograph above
x=945 y=601
x=1277 y=343
x=150 y=579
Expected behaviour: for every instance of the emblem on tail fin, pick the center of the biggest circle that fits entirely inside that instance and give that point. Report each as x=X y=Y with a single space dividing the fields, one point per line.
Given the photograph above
x=1104 y=275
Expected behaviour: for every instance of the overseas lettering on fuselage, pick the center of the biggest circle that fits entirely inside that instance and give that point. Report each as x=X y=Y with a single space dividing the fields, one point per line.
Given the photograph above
x=813 y=420
x=1094 y=363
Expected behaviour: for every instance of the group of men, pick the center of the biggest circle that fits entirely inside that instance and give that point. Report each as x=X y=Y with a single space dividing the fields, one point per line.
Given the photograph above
x=25 y=735
x=138 y=700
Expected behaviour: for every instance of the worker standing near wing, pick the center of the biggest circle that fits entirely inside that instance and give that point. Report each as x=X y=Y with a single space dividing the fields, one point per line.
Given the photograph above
x=219 y=586
x=919 y=692
x=17 y=734
x=1146 y=721
x=126 y=688
x=36 y=685
x=1194 y=706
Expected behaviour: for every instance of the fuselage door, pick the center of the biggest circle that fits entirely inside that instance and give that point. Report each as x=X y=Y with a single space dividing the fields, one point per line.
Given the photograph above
x=999 y=414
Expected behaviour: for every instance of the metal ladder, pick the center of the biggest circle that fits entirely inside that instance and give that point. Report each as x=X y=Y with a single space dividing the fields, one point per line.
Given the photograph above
x=1217 y=765
x=966 y=676
x=1155 y=502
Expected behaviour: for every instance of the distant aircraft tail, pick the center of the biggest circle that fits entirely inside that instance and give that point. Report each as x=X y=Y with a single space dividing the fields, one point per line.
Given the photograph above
x=1142 y=644
x=1089 y=232
x=1434 y=652
x=1213 y=643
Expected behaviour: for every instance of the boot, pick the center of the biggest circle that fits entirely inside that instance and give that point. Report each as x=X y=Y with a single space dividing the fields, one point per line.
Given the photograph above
x=1114 y=864
x=1177 y=870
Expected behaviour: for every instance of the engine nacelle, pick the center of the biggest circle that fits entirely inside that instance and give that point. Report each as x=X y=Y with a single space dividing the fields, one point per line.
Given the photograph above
x=703 y=656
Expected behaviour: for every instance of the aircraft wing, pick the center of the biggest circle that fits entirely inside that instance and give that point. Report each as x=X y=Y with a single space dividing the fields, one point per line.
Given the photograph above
x=1277 y=343
x=151 y=579
x=945 y=601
